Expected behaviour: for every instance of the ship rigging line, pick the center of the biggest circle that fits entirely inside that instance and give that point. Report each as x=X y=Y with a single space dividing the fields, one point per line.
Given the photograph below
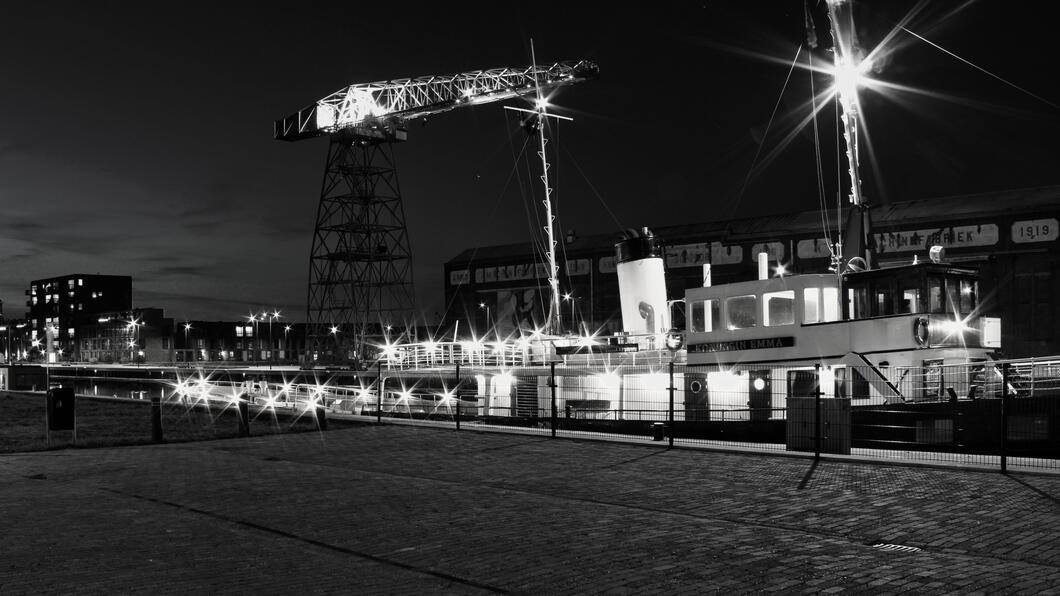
x=758 y=151
x=819 y=169
x=599 y=197
x=979 y=68
x=493 y=212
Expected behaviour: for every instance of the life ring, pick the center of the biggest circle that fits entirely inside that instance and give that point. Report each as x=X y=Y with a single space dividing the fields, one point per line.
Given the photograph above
x=920 y=331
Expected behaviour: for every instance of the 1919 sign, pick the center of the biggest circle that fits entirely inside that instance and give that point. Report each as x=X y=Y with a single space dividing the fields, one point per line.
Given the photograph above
x=1035 y=230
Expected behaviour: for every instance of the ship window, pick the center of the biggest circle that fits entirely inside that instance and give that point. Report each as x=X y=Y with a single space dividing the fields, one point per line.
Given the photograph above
x=802 y=383
x=830 y=301
x=953 y=298
x=742 y=311
x=909 y=296
x=935 y=296
x=882 y=299
x=705 y=316
x=695 y=322
x=811 y=304
x=714 y=312
x=859 y=302
x=780 y=308
x=967 y=296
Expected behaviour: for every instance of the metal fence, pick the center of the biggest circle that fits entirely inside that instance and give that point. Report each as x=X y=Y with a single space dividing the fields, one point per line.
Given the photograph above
x=990 y=413
x=983 y=413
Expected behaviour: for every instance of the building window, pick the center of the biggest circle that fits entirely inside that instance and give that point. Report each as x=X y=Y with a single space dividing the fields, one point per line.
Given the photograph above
x=165 y=343
x=80 y=282
x=239 y=331
x=70 y=283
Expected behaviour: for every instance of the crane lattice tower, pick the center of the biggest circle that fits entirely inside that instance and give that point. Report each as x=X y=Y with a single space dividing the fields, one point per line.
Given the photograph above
x=360 y=263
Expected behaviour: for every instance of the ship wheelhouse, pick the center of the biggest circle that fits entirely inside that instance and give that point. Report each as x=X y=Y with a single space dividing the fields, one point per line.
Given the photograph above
x=877 y=328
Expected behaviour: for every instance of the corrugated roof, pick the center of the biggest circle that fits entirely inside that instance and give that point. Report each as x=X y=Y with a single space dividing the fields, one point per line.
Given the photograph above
x=1009 y=202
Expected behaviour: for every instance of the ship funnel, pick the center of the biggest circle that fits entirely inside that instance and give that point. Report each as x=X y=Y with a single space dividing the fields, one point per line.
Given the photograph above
x=641 y=283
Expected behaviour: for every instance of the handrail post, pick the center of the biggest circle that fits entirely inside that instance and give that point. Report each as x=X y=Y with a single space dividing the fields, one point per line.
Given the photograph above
x=552 y=386
x=1004 y=417
x=817 y=412
x=379 y=399
x=670 y=427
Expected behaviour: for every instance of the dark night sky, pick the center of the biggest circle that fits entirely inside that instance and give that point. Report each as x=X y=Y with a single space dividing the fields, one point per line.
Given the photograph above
x=137 y=137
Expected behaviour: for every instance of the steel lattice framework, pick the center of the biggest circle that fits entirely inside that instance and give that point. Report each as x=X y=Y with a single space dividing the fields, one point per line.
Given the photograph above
x=360 y=265
x=407 y=99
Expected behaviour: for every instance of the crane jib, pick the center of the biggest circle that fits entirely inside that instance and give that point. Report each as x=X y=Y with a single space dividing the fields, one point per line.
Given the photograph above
x=393 y=102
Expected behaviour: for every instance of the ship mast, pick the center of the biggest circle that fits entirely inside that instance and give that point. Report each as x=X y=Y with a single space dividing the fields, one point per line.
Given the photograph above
x=849 y=68
x=536 y=123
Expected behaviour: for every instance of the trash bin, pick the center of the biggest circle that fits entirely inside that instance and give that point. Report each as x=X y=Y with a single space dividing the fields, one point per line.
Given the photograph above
x=658 y=431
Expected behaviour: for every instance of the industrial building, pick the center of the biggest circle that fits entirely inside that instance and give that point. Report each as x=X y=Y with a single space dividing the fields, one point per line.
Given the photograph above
x=1011 y=236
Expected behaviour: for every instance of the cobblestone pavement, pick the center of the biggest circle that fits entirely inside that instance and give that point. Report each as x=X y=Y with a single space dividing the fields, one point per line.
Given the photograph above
x=410 y=510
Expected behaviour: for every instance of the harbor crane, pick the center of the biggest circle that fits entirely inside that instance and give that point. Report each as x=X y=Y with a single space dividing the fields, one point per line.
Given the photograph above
x=360 y=263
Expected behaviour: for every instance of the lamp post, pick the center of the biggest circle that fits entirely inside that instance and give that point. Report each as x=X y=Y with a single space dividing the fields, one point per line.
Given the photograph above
x=253 y=320
x=187 y=327
x=489 y=323
x=136 y=323
x=286 y=347
x=275 y=315
x=569 y=297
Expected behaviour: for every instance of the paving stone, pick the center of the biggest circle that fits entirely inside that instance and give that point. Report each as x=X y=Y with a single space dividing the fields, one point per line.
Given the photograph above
x=403 y=509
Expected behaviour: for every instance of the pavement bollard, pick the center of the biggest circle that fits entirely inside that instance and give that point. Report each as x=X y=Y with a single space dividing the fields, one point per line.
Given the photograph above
x=156 y=420
x=243 y=410
x=321 y=414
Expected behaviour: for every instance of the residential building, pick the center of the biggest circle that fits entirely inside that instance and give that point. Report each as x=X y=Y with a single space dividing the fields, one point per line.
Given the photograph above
x=58 y=306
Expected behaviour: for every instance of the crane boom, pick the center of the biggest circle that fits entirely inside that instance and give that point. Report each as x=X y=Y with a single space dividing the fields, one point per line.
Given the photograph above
x=361 y=105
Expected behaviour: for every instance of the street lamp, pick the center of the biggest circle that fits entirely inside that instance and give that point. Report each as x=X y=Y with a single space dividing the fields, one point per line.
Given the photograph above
x=253 y=320
x=569 y=297
x=187 y=327
x=286 y=348
x=489 y=323
x=134 y=326
x=275 y=315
